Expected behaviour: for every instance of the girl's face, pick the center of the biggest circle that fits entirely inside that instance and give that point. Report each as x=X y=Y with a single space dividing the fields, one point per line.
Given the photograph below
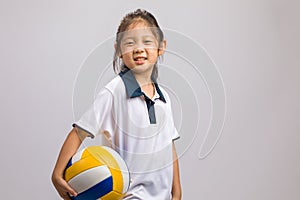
x=140 y=48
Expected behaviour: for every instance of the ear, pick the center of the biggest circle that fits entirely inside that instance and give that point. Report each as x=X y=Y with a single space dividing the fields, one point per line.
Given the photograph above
x=162 y=47
x=119 y=53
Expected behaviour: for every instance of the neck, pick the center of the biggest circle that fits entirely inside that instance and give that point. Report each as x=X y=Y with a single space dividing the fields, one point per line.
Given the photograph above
x=146 y=84
x=144 y=78
x=143 y=81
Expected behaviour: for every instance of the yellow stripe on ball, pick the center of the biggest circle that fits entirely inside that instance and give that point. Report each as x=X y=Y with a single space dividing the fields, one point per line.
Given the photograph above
x=105 y=157
x=81 y=166
x=112 y=195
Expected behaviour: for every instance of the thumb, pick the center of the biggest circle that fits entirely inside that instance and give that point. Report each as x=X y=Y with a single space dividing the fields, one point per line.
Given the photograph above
x=106 y=139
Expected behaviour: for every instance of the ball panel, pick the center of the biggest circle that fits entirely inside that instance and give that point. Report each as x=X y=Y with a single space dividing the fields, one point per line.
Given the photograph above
x=123 y=168
x=112 y=195
x=107 y=158
x=77 y=156
x=69 y=163
x=91 y=151
x=89 y=178
x=97 y=191
x=80 y=166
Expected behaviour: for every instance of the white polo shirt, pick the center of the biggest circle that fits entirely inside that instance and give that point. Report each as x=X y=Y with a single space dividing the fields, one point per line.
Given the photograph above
x=142 y=131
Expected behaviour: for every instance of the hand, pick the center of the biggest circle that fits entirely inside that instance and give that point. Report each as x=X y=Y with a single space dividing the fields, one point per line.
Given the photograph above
x=63 y=188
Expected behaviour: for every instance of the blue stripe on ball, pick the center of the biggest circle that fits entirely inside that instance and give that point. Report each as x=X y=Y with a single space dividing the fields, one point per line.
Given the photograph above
x=69 y=163
x=97 y=191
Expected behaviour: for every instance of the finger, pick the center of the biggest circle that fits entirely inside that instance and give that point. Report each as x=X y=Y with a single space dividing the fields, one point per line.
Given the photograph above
x=65 y=196
x=64 y=189
x=70 y=190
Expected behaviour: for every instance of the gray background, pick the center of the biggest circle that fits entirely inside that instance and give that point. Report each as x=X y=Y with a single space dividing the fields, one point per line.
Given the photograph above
x=255 y=45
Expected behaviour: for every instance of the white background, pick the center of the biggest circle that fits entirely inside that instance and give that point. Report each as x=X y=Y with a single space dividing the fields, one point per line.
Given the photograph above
x=254 y=43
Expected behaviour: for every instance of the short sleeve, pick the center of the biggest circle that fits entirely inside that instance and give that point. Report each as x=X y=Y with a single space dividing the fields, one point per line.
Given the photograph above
x=98 y=116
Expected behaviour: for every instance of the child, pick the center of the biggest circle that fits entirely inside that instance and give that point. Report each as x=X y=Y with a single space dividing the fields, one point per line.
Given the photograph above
x=135 y=113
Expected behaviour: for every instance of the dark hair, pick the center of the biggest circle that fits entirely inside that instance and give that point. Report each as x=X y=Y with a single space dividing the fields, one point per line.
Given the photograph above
x=129 y=19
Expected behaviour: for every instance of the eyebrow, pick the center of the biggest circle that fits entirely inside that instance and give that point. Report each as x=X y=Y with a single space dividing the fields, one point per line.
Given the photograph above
x=133 y=37
x=126 y=38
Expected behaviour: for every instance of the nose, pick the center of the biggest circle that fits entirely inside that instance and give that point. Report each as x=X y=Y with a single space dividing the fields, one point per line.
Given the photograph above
x=139 y=48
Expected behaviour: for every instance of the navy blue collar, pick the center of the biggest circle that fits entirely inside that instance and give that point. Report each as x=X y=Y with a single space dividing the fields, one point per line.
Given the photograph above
x=132 y=87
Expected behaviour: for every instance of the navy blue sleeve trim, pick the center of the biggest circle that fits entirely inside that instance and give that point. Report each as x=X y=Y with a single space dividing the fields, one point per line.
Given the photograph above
x=175 y=138
x=88 y=132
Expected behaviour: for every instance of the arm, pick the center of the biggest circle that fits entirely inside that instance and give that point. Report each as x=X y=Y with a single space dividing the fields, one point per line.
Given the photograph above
x=68 y=149
x=176 y=187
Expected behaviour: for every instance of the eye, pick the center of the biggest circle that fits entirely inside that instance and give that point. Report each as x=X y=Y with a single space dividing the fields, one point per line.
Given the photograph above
x=148 y=41
x=129 y=43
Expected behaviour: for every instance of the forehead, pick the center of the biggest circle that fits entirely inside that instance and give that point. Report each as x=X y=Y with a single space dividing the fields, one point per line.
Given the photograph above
x=137 y=24
x=135 y=33
x=138 y=30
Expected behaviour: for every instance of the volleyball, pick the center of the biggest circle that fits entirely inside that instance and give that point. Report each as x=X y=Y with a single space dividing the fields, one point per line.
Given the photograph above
x=97 y=172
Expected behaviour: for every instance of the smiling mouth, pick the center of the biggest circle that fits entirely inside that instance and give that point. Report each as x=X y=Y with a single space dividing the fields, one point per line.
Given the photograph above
x=140 y=59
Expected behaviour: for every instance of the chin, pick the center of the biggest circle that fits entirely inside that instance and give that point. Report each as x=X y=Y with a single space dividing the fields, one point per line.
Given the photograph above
x=142 y=68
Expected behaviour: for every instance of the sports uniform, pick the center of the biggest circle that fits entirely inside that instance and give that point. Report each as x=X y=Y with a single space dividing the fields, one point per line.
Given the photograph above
x=142 y=131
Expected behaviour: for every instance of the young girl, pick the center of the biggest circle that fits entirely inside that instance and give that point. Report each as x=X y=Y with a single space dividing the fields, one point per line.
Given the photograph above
x=135 y=113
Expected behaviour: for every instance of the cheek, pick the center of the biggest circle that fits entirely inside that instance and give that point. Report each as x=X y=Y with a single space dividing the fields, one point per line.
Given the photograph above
x=153 y=52
x=126 y=50
x=126 y=55
x=127 y=58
